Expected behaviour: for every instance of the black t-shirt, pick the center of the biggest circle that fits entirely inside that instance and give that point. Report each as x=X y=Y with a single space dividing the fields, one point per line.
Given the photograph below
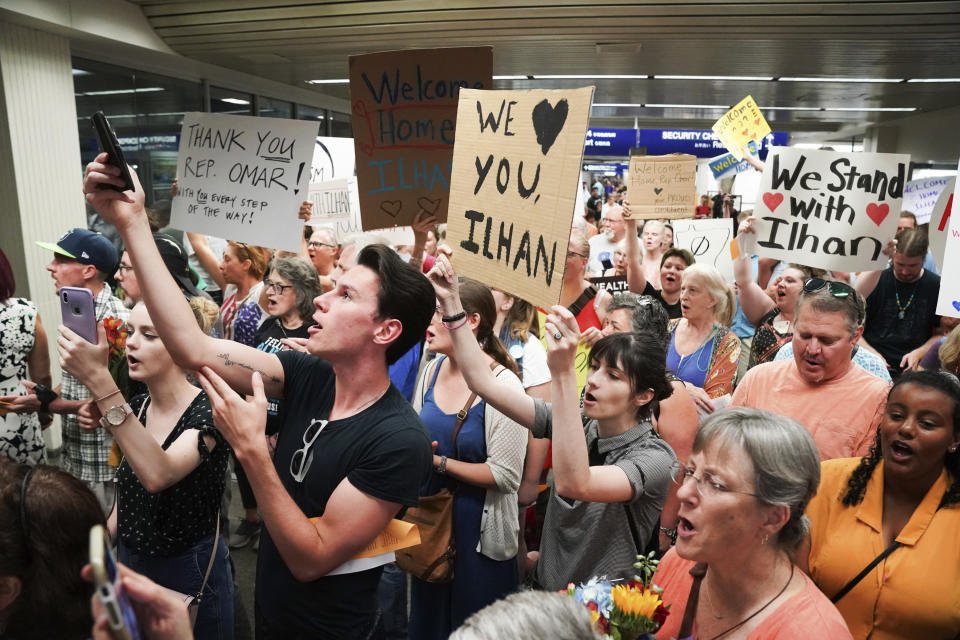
x=384 y=451
x=886 y=332
x=595 y=204
x=173 y=520
x=673 y=310
x=269 y=335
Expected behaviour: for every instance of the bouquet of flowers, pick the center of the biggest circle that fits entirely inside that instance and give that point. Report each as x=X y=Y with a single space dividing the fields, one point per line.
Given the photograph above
x=117 y=331
x=630 y=611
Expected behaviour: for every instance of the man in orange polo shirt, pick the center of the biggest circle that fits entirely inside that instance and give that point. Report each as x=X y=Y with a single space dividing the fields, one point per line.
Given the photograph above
x=839 y=403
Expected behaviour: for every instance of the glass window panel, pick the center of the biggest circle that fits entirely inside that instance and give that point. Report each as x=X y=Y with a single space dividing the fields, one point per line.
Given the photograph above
x=270 y=108
x=340 y=125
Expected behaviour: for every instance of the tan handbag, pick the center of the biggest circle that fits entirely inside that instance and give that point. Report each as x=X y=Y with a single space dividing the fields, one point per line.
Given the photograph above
x=432 y=559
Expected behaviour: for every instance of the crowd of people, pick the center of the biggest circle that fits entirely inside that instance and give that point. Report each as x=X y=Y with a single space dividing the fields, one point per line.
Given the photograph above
x=787 y=442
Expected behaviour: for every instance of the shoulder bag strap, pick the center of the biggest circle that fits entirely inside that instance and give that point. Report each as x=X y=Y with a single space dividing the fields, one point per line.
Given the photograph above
x=462 y=414
x=690 y=612
x=863 y=574
x=582 y=301
x=213 y=556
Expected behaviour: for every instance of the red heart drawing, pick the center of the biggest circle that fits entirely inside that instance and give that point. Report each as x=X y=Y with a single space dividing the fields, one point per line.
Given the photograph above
x=772 y=200
x=878 y=212
x=757 y=122
x=744 y=133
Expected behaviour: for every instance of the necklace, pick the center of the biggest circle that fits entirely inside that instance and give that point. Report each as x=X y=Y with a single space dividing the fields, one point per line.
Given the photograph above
x=757 y=612
x=903 y=308
x=697 y=351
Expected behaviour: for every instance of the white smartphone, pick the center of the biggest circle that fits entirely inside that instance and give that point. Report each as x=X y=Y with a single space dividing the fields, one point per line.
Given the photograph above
x=106 y=578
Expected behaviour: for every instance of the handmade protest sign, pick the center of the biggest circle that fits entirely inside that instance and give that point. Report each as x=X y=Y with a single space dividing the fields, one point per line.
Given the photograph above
x=948 y=302
x=708 y=240
x=613 y=284
x=828 y=209
x=740 y=125
x=333 y=159
x=940 y=223
x=722 y=165
x=243 y=178
x=663 y=186
x=331 y=201
x=404 y=121
x=919 y=196
x=516 y=172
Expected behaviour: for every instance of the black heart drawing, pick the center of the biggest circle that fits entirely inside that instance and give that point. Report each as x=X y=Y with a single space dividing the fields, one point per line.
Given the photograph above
x=391 y=207
x=548 y=122
x=658 y=190
x=428 y=205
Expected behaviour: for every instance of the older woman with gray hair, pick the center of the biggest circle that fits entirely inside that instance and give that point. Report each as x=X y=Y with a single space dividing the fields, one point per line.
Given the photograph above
x=529 y=614
x=743 y=492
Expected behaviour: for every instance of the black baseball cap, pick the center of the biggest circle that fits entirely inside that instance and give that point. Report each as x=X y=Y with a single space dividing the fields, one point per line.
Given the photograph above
x=176 y=260
x=86 y=247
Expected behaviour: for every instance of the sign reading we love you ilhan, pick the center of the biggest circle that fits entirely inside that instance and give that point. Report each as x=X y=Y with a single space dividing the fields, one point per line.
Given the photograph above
x=827 y=209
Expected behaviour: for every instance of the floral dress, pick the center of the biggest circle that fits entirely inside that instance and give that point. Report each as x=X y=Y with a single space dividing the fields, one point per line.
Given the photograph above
x=21 y=438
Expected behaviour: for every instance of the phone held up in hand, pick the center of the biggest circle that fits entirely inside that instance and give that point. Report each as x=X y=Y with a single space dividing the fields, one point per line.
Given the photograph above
x=78 y=312
x=106 y=579
x=108 y=142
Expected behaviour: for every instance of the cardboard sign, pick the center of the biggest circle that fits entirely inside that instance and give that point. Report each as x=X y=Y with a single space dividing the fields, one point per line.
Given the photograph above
x=708 y=239
x=333 y=159
x=331 y=201
x=826 y=209
x=740 y=125
x=940 y=223
x=663 y=186
x=243 y=178
x=516 y=173
x=404 y=121
x=722 y=165
x=948 y=303
x=919 y=196
x=613 y=284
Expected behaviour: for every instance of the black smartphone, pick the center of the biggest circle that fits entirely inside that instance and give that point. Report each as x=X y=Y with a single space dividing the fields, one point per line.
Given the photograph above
x=108 y=142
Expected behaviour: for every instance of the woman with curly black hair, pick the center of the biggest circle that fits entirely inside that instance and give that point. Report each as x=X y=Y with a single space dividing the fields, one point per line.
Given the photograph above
x=893 y=516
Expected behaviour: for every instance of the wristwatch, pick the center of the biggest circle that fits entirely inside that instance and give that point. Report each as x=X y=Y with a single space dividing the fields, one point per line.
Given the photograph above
x=115 y=415
x=46 y=395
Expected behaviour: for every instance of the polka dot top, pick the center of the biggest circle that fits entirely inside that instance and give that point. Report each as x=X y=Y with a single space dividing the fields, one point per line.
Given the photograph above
x=173 y=520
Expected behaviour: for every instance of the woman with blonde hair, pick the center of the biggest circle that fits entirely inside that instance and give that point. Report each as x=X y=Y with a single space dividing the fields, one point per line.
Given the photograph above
x=703 y=352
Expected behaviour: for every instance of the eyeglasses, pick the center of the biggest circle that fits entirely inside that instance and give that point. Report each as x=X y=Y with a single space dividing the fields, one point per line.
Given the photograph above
x=316 y=244
x=574 y=254
x=302 y=458
x=276 y=286
x=707 y=486
x=123 y=268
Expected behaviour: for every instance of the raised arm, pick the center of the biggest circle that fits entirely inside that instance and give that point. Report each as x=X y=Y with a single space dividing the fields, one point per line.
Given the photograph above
x=169 y=311
x=867 y=280
x=207 y=257
x=636 y=279
x=754 y=302
x=513 y=403
x=573 y=476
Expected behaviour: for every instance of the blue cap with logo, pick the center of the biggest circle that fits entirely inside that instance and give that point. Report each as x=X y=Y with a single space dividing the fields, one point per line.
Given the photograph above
x=86 y=247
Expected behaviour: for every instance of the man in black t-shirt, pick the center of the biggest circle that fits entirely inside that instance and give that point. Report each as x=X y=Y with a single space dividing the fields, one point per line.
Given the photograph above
x=351 y=452
x=901 y=304
x=595 y=203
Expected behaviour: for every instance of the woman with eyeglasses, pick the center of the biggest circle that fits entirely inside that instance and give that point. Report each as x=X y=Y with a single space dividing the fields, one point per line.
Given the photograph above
x=587 y=303
x=899 y=506
x=173 y=473
x=611 y=470
x=242 y=270
x=479 y=458
x=742 y=493
x=45 y=520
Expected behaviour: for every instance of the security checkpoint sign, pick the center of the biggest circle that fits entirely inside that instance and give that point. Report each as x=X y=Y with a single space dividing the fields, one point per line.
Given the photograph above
x=741 y=125
x=827 y=209
x=663 y=186
x=404 y=107
x=243 y=178
x=516 y=173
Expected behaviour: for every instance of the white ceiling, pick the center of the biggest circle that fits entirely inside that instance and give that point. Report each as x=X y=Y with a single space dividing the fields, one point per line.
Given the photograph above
x=294 y=42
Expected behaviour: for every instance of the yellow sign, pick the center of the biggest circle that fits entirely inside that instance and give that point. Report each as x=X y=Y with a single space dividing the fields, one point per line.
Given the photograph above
x=740 y=125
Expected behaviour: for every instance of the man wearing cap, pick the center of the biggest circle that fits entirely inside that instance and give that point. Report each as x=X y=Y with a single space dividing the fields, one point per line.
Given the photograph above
x=85 y=259
x=174 y=257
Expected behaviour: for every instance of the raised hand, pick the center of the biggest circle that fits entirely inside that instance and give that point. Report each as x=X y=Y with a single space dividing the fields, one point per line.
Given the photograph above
x=118 y=208
x=563 y=336
x=242 y=421
x=83 y=360
x=444 y=281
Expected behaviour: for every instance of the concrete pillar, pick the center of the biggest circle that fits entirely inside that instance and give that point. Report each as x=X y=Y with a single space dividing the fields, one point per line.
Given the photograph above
x=40 y=172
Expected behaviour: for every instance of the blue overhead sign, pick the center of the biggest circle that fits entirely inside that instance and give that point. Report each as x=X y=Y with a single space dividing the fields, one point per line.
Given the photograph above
x=609 y=142
x=701 y=143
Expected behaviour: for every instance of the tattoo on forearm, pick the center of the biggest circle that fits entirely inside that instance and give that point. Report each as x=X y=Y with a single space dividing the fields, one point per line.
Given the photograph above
x=227 y=361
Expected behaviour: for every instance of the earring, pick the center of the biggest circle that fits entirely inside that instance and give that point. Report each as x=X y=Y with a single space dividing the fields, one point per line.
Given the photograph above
x=764 y=539
x=953 y=449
